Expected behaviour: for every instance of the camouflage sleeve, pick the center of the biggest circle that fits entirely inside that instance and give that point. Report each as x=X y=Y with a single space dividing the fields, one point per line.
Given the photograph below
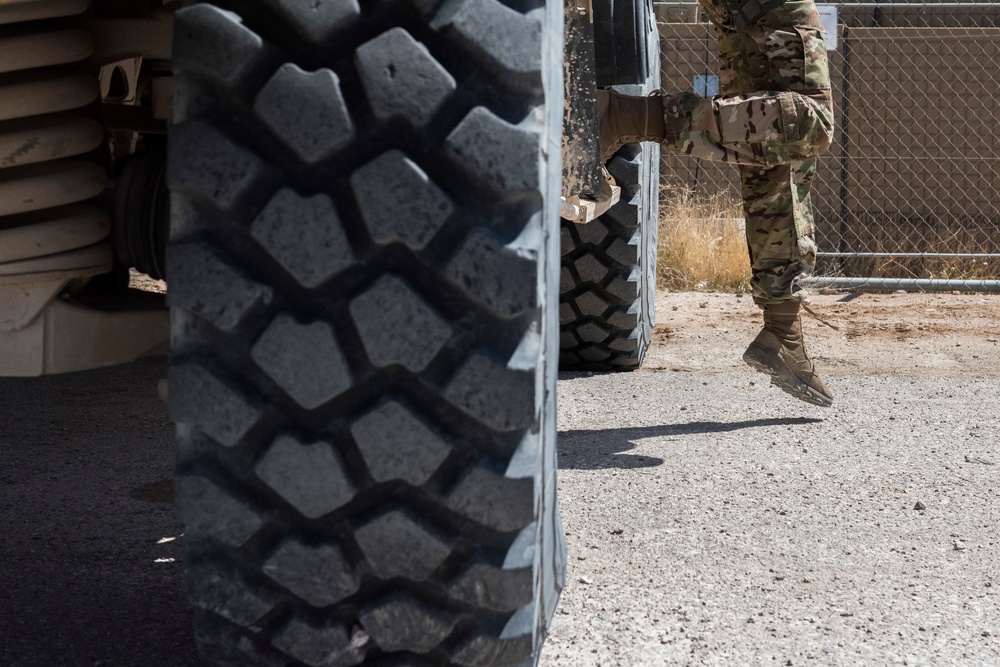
x=776 y=106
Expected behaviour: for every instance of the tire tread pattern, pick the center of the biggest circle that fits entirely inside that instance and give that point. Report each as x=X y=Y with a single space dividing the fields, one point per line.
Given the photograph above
x=608 y=281
x=308 y=323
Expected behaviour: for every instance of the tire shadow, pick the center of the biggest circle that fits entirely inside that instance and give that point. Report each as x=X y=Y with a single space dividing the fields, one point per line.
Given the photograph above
x=90 y=558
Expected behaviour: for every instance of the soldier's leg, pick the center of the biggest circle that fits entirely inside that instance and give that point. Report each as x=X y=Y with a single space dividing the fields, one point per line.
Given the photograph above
x=787 y=125
x=783 y=50
x=779 y=229
x=774 y=117
x=776 y=105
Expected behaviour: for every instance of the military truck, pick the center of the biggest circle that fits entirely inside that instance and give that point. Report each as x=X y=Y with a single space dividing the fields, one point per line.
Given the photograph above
x=355 y=205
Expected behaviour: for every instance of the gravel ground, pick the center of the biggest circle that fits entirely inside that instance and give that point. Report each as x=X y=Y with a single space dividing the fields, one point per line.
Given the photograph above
x=712 y=522
x=711 y=519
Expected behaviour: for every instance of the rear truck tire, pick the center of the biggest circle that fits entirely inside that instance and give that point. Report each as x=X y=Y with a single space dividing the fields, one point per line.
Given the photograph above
x=362 y=270
x=607 y=301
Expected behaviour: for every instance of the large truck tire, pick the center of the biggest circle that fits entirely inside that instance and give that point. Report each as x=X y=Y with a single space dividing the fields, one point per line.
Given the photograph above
x=363 y=281
x=608 y=280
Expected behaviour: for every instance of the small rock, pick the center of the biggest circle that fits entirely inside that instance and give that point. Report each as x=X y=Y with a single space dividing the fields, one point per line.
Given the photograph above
x=901 y=291
x=986 y=633
x=919 y=506
x=617 y=531
x=703 y=304
x=958 y=545
x=673 y=308
x=586 y=580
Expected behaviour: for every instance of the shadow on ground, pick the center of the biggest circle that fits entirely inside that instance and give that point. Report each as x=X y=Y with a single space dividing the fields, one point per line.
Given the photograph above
x=598 y=449
x=90 y=558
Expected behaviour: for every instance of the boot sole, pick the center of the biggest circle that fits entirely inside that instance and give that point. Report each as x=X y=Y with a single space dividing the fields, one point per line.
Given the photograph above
x=782 y=376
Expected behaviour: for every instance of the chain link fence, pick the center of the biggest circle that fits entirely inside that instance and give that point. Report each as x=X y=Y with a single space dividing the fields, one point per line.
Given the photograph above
x=907 y=196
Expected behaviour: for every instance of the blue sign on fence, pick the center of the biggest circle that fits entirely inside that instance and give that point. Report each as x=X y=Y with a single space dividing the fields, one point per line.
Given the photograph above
x=706 y=85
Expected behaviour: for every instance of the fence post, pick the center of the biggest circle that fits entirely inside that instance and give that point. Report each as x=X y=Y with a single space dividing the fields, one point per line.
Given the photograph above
x=845 y=143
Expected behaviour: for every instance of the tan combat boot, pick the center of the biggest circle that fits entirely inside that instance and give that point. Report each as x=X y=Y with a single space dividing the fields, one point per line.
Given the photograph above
x=625 y=119
x=778 y=350
x=665 y=119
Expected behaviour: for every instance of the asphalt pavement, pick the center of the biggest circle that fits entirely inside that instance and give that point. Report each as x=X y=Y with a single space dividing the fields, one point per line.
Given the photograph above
x=711 y=521
x=90 y=560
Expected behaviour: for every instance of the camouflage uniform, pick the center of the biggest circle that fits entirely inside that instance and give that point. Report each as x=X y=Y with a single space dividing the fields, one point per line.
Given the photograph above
x=773 y=118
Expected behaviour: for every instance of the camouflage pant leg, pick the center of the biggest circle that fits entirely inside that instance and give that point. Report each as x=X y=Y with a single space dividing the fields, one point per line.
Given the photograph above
x=766 y=129
x=774 y=117
x=779 y=227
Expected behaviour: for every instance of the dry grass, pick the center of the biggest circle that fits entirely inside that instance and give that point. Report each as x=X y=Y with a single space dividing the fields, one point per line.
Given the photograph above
x=702 y=245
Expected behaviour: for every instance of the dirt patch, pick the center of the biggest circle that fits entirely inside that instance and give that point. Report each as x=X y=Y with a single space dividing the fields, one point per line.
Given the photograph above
x=910 y=335
x=918 y=335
